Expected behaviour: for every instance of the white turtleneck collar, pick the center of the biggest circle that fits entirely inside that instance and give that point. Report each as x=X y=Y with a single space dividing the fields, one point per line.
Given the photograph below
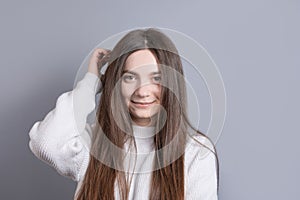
x=143 y=136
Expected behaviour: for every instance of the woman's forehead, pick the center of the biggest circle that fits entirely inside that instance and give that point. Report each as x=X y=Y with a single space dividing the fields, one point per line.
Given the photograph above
x=140 y=58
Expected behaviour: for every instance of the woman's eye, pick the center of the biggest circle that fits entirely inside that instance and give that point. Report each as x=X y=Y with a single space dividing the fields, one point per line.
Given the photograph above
x=157 y=78
x=129 y=77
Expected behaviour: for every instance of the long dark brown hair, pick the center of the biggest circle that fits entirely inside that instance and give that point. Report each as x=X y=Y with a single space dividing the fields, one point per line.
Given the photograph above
x=115 y=125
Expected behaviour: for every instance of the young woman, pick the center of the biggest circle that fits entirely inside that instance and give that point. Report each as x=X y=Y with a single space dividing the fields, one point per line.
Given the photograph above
x=142 y=115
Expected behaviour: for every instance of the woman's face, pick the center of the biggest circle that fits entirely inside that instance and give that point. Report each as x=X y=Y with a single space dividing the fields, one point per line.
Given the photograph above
x=141 y=86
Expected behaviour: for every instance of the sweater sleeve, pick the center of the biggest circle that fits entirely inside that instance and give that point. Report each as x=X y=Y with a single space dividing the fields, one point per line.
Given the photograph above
x=201 y=174
x=62 y=138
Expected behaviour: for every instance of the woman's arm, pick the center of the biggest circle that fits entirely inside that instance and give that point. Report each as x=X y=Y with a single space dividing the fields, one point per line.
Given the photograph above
x=57 y=139
x=62 y=138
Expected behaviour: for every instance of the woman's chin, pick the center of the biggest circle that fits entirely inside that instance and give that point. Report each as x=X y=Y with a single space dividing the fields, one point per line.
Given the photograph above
x=144 y=120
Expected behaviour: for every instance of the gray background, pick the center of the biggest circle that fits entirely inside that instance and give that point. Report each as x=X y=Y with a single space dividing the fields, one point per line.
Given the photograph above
x=255 y=44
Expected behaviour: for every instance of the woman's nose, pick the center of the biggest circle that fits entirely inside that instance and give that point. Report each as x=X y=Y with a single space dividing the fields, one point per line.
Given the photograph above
x=143 y=90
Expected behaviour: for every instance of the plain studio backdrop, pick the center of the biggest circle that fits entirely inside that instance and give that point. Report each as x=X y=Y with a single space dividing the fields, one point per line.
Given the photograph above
x=255 y=45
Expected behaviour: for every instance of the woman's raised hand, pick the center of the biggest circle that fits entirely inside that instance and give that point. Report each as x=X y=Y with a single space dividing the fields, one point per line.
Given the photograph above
x=98 y=60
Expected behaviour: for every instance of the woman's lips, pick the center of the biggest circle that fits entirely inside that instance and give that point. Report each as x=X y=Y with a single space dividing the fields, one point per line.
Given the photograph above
x=142 y=104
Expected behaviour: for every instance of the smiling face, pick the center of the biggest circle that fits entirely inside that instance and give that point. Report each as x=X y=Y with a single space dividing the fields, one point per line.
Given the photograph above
x=141 y=87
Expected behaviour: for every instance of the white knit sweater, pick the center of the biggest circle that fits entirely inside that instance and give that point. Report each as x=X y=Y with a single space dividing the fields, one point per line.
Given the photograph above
x=59 y=140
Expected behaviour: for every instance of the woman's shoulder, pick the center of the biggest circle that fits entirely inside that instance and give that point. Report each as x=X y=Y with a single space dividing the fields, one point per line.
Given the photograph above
x=199 y=145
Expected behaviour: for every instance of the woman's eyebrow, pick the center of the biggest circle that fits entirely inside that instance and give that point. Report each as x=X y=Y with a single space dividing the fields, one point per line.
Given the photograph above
x=132 y=72
x=153 y=73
